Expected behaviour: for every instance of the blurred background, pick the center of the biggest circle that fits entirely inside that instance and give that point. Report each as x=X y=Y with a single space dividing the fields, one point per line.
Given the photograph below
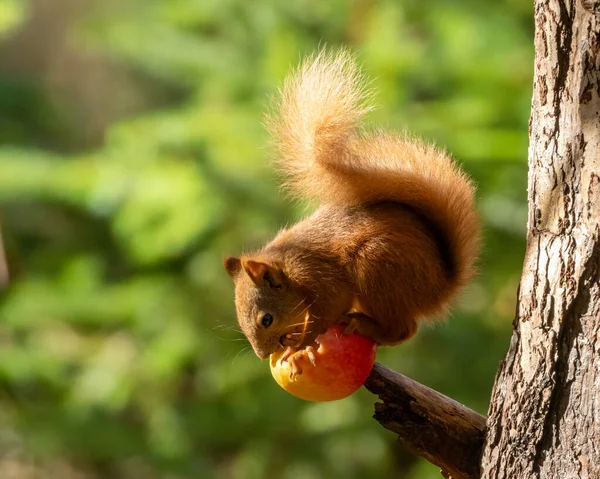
x=133 y=159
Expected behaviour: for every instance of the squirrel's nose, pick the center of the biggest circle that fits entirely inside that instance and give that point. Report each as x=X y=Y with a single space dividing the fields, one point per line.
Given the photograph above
x=262 y=354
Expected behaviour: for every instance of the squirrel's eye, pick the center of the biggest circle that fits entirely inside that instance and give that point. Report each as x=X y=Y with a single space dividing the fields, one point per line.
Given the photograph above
x=266 y=320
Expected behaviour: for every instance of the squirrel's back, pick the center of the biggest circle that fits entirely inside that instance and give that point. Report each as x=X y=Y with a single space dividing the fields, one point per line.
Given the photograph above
x=326 y=155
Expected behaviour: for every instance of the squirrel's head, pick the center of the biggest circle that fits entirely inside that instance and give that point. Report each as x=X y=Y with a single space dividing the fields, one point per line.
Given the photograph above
x=273 y=313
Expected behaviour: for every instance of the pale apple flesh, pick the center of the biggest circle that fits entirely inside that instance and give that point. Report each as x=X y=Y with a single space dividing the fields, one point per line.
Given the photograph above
x=333 y=368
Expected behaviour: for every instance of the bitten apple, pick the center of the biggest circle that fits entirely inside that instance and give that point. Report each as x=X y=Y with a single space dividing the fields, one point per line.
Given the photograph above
x=342 y=364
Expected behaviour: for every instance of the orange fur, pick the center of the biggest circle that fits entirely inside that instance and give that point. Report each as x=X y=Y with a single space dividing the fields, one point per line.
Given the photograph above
x=396 y=235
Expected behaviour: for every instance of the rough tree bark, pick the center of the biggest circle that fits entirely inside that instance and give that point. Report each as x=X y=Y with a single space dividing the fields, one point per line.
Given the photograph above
x=544 y=419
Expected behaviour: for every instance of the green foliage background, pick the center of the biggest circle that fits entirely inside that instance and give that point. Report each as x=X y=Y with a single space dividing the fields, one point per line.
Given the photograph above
x=132 y=159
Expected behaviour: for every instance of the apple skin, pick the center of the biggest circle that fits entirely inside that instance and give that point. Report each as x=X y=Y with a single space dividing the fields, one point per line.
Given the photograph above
x=342 y=365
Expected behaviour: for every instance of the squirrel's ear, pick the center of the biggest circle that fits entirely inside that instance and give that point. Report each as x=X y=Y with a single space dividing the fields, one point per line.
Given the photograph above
x=232 y=266
x=263 y=274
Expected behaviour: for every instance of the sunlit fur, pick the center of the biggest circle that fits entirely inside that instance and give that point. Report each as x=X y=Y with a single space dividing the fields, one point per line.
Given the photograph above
x=396 y=233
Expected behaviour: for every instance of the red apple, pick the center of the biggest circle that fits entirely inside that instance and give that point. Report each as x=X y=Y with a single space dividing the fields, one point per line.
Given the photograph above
x=342 y=365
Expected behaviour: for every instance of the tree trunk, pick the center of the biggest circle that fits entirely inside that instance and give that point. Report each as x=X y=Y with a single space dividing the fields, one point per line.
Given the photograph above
x=544 y=419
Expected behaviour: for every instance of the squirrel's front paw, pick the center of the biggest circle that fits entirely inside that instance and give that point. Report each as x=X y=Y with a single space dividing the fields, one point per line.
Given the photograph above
x=294 y=357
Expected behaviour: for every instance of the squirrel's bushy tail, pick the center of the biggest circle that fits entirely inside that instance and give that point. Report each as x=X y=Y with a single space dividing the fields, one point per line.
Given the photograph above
x=326 y=155
x=316 y=118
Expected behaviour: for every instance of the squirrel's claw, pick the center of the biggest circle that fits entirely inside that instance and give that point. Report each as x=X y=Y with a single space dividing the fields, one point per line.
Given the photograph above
x=310 y=353
x=294 y=357
x=289 y=351
x=295 y=369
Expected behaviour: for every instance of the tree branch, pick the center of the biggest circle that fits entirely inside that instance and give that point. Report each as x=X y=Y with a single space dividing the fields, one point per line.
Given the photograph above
x=432 y=425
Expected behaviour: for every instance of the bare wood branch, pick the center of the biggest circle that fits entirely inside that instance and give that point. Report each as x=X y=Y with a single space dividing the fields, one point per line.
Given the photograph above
x=432 y=425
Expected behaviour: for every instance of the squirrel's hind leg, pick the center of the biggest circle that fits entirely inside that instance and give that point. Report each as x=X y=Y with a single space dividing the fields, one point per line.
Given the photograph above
x=370 y=328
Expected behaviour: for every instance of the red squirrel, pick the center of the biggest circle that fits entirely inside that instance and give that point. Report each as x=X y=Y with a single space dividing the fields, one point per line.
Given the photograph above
x=395 y=237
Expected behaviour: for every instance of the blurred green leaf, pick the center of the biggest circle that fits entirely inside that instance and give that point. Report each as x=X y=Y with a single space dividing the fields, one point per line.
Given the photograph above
x=121 y=356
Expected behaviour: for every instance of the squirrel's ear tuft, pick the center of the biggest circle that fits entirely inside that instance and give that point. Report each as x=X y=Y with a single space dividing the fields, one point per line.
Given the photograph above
x=233 y=266
x=263 y=274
